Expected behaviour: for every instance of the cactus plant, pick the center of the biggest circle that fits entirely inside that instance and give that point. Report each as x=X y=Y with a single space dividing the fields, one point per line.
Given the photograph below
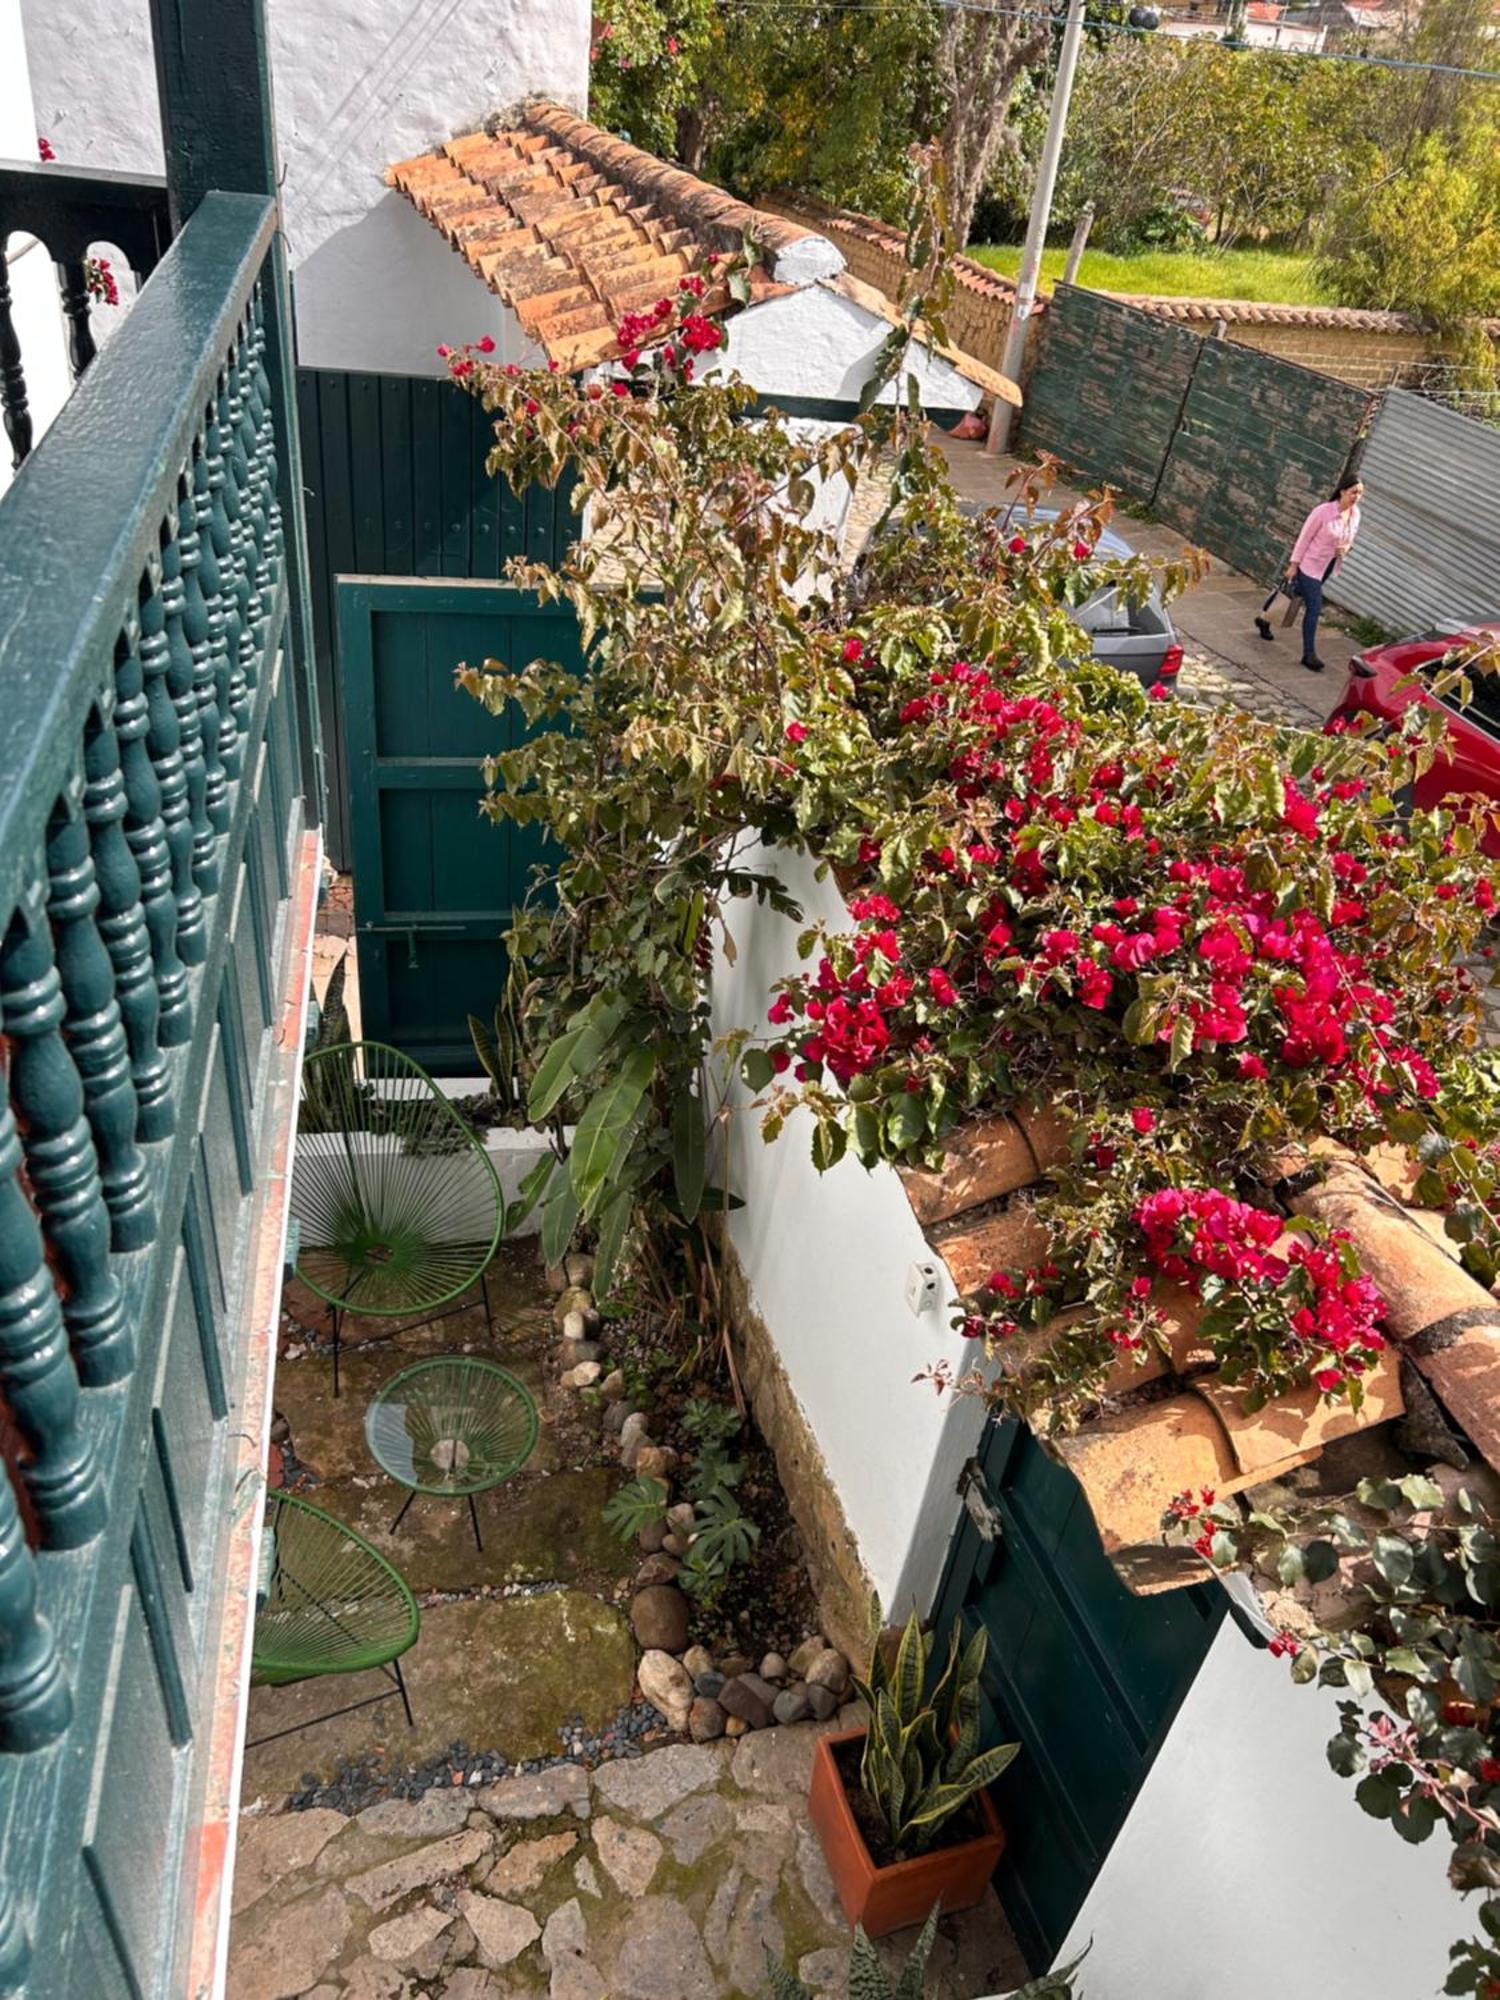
x=922 y=1760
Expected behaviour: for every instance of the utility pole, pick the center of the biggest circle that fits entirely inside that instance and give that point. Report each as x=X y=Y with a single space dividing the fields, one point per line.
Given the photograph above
x=1041 y=214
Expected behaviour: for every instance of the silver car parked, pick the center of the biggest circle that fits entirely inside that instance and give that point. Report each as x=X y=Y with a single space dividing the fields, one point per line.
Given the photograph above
x=1139 y=639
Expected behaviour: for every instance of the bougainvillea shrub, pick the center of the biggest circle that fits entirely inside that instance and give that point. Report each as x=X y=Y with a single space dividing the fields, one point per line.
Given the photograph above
x=1204 y=940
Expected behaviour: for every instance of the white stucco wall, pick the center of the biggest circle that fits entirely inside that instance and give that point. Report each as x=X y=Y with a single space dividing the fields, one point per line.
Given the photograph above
x=36 y=313
x=1246 y=1867
x=358 y=83
x=826 y=1257
x=816 y=343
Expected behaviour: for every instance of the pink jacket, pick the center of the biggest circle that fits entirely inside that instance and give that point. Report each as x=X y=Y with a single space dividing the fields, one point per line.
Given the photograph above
x=1327 y=537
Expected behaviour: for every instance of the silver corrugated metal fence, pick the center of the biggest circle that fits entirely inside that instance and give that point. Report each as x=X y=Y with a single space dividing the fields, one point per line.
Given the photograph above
x=1428 y=554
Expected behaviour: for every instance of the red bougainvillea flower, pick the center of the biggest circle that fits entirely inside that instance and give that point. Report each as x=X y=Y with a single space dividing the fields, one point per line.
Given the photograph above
x=854 y=651
x=941 y=987
x=796 y=732
x=1143 y=1118
x=44 y=149
x=1081 y=551
x=486 y=345
x=1017 y=545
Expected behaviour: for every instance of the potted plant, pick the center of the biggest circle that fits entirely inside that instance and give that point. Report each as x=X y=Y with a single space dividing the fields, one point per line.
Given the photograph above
x=869 y=1979
x=901 y=1807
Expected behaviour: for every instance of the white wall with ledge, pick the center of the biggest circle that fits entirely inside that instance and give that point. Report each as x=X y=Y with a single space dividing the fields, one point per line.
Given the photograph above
x=826 y=1257
x=357 y=83
x=1246 y=1868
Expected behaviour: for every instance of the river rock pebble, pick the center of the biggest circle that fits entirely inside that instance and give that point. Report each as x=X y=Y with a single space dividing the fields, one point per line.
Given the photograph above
x=707 y=1683
x=829 y=1670
x=792 y=1705
x=584 y=1376
x=773 y=1668
x=659 y=1618
x=706 y=1720
x=736 y=1726
x=667 y=1686
x=805 y=1654
x=698 y=1660
x=750 y=1698
x=612 y=1388
x=821 y=1703
x=660 y=1569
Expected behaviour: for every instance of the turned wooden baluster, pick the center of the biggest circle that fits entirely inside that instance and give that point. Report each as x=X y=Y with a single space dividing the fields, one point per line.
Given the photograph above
x=36 y=1704
x=146 y=826
x=37 y=1375
x=73 y=284
x=164 y=742
x=265 y=432
x=61 y=1164
x=122 y=925
x=95 y=1031
x=17 y=411
x=203 y=621
x=242 y=675
x=218 y=541
x=182 y=684
x=261 y=592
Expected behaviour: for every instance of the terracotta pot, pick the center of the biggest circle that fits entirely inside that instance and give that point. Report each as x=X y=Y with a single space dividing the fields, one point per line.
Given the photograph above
x=888 y=1899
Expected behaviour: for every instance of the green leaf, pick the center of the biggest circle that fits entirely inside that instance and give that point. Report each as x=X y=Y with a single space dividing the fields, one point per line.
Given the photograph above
x=530 y=1191
x=1320 y=1560
x=488 y=1054
x=756 y=1069
x=599 y=1141
x=554 y=1074
x=614 y=1220
x=687 y=1153
x=559 y=1220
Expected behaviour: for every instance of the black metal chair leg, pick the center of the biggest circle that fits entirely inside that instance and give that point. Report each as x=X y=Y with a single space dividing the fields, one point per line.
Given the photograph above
x=337 y=1323
x=405 y=1698
x=489 y=1317
x=474 y=1517
x=404 y=1505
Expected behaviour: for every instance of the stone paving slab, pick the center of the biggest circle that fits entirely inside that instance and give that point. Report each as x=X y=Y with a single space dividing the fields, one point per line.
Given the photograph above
x=661 y=1877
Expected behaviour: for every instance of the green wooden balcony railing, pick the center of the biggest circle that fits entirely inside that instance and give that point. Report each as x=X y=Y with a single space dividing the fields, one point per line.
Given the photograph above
x=157 y=769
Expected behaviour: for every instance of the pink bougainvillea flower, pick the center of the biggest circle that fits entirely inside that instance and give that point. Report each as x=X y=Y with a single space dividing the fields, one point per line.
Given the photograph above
x=796 y=732
x=1143 y=1118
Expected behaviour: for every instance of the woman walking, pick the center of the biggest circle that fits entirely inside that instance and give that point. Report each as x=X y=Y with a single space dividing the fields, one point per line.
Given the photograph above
x=1326 y=538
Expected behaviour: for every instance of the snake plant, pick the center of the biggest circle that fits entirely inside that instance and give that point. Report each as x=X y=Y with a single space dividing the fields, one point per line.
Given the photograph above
x=869 y=1980
x=922 y=1759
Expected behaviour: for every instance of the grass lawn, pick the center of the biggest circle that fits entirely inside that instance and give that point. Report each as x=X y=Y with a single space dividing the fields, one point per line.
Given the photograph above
x=1278 y=277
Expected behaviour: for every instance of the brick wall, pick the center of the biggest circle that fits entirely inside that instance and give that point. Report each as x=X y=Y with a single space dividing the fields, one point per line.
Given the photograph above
x=979 y=312
x=1371 y=350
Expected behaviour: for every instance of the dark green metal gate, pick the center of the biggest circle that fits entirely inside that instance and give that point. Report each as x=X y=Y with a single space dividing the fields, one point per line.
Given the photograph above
x=434 y=884
x=1085 y=1675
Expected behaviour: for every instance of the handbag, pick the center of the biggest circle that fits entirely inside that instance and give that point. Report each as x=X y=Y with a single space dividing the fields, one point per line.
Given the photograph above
x=1293 y=603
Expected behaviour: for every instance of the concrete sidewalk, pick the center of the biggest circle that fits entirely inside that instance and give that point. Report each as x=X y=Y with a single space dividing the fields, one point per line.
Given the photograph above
x=1226 y=657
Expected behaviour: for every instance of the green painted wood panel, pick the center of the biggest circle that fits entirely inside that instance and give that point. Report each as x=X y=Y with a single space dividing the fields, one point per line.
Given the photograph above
x=1227 y=444
x=1260 y=442
x=396 y=486
x=1106 y=389
x=1085 y=1675
x=434 y=885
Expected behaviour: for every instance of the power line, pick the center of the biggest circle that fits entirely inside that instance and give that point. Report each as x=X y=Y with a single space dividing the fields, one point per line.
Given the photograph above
x=1110 y=28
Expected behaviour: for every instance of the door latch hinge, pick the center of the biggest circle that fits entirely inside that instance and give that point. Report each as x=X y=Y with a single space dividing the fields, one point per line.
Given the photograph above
x=979 y=1503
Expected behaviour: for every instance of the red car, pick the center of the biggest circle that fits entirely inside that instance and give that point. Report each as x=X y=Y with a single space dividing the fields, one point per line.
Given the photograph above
x=1385 y=680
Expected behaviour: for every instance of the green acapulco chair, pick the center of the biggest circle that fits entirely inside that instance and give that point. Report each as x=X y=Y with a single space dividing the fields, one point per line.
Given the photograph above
x=328 y=1604
x=397 y=1205
x=454 y=1425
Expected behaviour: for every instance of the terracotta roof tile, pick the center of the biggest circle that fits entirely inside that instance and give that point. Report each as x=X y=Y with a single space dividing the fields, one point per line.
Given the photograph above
x=1143 y=1446
x=554 y=209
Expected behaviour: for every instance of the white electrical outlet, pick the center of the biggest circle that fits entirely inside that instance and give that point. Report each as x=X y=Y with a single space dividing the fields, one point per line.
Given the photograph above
x=921 y=1288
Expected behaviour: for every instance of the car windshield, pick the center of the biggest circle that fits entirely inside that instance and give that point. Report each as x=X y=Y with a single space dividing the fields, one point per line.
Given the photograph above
x=1483 y=705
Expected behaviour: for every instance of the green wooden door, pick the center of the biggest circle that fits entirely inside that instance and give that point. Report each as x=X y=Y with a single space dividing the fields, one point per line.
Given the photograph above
x=1084 y=1674
x=434 y=884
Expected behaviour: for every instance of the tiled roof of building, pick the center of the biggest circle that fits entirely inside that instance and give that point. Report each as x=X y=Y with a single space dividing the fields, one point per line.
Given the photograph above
x=1173 y=1423
x=573 y=227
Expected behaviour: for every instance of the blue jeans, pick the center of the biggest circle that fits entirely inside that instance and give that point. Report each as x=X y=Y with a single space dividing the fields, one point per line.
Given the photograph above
x=1310 y=590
